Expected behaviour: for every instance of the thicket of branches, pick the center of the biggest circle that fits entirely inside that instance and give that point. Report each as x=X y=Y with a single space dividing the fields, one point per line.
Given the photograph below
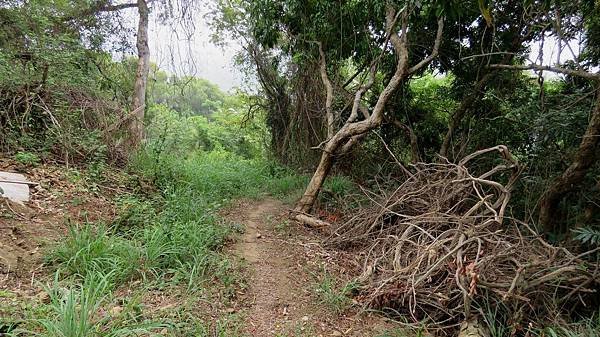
x=483 y=99
x=427 y=83
x=440 y=248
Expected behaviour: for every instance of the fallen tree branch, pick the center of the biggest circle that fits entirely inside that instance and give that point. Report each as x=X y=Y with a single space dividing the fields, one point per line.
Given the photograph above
x=311 y=221
x=438 y=245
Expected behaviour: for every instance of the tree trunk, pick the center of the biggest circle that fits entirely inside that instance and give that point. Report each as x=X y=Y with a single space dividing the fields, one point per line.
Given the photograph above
x=351 y=132
x=461 y=111
x=316 y=182
x=136 y=123
x=412 y=137
x=567 y=182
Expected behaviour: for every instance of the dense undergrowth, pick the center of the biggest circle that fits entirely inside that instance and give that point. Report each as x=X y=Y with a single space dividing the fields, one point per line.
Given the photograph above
x=64 y=95
x=169 y=239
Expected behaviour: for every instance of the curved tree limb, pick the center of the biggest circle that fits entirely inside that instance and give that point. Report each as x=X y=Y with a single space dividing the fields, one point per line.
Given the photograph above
x=343 y=140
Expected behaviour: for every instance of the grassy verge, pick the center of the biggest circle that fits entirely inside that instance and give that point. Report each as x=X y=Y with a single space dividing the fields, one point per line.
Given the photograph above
x=152 y=269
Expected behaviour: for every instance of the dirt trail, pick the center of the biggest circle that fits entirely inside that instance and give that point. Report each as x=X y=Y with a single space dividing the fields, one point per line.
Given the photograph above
x=271 y=290
x=280 y=299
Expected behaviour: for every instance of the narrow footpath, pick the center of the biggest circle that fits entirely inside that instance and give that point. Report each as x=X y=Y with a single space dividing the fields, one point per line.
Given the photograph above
x=281 y=297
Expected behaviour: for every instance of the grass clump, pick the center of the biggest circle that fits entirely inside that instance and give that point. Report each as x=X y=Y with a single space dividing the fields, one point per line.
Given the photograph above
x=90 y=249
x=335 y=298
x=77 y=311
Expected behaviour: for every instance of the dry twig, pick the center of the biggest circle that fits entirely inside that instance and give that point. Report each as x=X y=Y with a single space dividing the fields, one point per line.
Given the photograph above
x=439 y=248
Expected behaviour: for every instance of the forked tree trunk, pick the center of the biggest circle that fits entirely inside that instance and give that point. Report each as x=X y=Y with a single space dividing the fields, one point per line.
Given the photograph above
x=352 y=131
x=568 y=181
x=412 y=137
x=458 y=115
x=136 y=121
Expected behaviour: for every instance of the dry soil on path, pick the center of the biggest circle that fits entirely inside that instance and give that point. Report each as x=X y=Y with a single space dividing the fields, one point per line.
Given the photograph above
x=283 y=263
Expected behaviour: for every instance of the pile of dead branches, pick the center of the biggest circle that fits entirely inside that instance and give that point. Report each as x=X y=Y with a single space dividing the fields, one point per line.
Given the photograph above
x=440 y=250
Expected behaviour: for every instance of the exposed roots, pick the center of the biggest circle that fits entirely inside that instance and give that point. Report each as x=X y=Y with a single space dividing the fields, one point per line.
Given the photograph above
x=440 y=249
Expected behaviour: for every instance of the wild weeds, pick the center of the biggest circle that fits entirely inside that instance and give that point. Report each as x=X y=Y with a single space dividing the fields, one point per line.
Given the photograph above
x=77 y=311
x=336 y=298
x=90 y=249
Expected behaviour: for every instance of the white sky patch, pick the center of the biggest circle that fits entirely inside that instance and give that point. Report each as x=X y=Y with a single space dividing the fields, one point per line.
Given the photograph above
x=191 y=53
x=569 y=51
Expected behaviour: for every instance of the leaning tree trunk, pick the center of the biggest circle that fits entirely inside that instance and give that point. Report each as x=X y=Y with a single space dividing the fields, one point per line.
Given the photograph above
x=573 y=176
x=352 y=131
x=316 y=182
x=136 y=122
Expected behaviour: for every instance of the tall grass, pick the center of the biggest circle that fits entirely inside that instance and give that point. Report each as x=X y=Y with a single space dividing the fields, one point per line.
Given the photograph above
x=90 y=249
x=183 y=235
x=173 y=237
x=76 y=311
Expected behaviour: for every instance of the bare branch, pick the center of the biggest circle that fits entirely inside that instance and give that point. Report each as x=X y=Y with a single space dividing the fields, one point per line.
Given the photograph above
x=434 y=52
x=112 y=8
x=329 y=89
x=311 y=221
x=572 y=72
x=100 y=6
x=358 y=96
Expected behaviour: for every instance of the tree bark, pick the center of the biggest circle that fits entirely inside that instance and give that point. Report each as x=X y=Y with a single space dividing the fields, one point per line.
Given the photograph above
x=351 y=132
x=329 y=90
x=568 y=181
x=412 y=137
x=136 y=123
x=316 y=182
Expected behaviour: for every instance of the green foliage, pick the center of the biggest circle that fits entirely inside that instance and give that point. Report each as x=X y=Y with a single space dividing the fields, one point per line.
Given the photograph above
x=188 y=96
x=76 y=312
x=287 y=184
x=53 y=91
x=494 y=318
x=225 y=130
x=588 y=236
x=134 y=213
x=27 y=158
x=173 y=238
x=587 y=328
x=90 y=250
x=335 y=298
x=339 y=186
x=177 y=233
x=394 y=333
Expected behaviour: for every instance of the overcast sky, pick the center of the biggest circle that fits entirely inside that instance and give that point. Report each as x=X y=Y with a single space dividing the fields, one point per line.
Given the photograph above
x=174 y=52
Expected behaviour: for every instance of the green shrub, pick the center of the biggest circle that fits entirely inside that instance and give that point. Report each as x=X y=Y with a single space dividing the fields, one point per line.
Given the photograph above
x=76 y=312
x=27 y=158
